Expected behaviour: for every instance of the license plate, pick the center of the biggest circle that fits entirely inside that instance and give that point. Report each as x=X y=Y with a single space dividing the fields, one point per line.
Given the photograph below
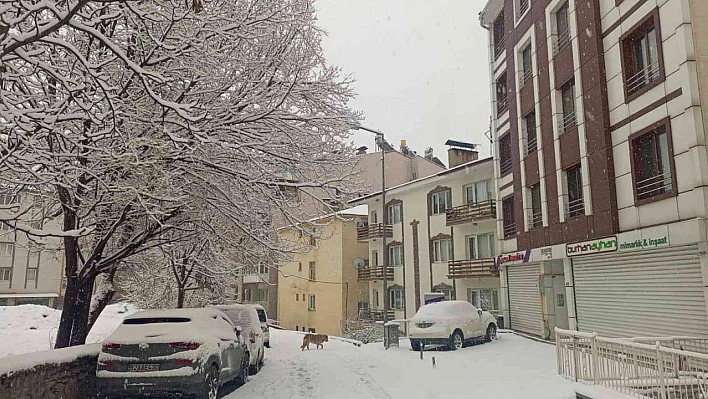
x=144 y=367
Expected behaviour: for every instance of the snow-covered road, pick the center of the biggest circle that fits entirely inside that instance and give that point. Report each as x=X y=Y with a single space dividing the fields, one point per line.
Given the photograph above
x=511 y=367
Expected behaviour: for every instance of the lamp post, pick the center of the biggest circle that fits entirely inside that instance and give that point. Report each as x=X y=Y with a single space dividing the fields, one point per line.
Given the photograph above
x=380 y=142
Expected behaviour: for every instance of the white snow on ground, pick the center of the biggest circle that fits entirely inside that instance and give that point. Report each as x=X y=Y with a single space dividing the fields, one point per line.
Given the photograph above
x=29 y=360
x=32 y=328
x=511 y=367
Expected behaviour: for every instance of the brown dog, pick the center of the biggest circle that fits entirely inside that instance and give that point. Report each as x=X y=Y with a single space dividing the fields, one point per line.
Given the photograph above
x=317 y=339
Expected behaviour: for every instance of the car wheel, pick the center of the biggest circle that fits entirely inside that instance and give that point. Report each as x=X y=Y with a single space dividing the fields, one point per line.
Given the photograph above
x=267 y=344
x=491 y=333
x=211 y=384
x=242 y=378
x=456 y=341
x=256 y=367
x=415 y=345
x=260 y=362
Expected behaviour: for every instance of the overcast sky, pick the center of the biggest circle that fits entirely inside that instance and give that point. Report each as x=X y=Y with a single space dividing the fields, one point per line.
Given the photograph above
x=420 y=67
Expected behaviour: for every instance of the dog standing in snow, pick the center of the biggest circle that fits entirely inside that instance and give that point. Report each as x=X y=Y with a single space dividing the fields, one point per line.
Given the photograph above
x=317 y=339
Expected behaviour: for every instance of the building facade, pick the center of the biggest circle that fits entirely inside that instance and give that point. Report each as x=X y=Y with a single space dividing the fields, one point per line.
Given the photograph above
x=440 y=234
x=30 y=271
x=318 y=290
x=600 y=164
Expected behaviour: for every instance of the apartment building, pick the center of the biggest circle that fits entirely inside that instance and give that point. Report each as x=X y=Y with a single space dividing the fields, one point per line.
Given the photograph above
x=318 y=290
x=402 y=165
x=30 y=272
x=440 y=234
x=600 y=164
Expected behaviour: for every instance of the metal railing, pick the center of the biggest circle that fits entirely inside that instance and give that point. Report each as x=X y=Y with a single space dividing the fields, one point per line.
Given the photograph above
x=499 y=46
x=485 y=267
x=634 y=367
x=376 y=230
x=523 y=7
x=567 y=122
x=526 y=77
x=532 y=143
x=374 y=273
x=641 y=78
x=505 y=165
x=562 y=41
x=471 y=212
x=654 y=185
x=536 y=219
x=575 y=207
x=509 y=230
x=502 y=106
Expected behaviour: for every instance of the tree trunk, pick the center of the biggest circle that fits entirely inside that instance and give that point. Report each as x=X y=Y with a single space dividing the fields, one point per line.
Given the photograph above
x=102 y=298
x=81 y=313
x=180 y=297
x=67 y=315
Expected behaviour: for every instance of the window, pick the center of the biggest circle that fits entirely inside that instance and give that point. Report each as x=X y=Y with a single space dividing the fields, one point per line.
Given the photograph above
x=259 y=295
x=6 y=248
x=574 y=184
x=641 y=57
x=536 y=219
x=481 y=246
x=442 y=250
x=394 y=214
x=652 y=163
x=362 y=306
x=375 y=293
x=313 y=275
x=529 y=129
x=499 y=35
x=262 y=268
x=502 y=95
x=521 y=7
x=448 y=292
x=395 y=298
x=311 y=330
x=7 y=199
x=505 y=157
x=297 y=297
x=5 y=227
x=395 y=255
x=31 y=274
x=299 y=266
x=568 y=104
x=508 y=217
x=562 y=28
x=5 y=273
x=485 y=299
x=480 y=191
x=439 y=202
x=375 y=258
x=526 y=66
x=310 y=302
x=297 y=328
x=313 y=240
x=374 y=217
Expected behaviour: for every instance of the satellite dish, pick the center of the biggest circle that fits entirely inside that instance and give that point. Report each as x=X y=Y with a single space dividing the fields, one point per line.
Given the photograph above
x=359 y=222
x=360 y=263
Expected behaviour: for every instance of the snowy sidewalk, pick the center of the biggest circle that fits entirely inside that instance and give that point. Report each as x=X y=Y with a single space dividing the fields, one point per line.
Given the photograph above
x=511 y=367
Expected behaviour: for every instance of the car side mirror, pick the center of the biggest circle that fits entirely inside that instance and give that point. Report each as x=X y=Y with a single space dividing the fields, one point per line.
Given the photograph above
x=479 y=312
x=238 y=331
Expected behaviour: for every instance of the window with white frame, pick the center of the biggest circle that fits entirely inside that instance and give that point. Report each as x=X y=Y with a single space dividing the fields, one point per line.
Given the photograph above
x=439 y=202
x=562 y=21
x=375 y=294
x=529 y=130
x=536 y=216
x=6 y=248
x=374 y=217
x=481 y=246
x=7 y=199
x=485 y=298
x=442 y=250
x=480 y=191
x=32 y=275
x=5 y=227
x=311 y=302
x=521 y=7
x=375 y=259
x=526 y=66
x=394 y=213
x=447 y=291
x=5 y=274
x=395 y=297
x=395 y=255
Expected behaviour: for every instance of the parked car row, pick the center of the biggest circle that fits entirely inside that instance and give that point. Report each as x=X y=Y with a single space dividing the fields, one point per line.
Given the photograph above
x=182 y=352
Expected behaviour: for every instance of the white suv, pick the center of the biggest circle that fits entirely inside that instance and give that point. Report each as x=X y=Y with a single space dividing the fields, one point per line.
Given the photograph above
x=263 y=317
x=246 y=317
x=451 y=323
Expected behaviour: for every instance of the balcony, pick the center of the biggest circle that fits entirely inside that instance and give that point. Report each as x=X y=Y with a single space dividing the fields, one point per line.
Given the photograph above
x=377 y=315
x=485 y=267
x=374 y=273
x=509 y=230
x=499 y=46
x=471 y=213
x=567 y=121
x=647 y=75
x=502 y=106
x=562 y=41
x=526 y=77
x=371 y=231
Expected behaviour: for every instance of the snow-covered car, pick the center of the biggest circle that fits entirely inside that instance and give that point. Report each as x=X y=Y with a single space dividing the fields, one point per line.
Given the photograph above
x=263 y=317
x=246 y=317
x=172 y=353
x=451 y=323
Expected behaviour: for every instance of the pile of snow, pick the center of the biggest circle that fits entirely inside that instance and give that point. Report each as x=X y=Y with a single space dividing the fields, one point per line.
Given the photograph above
x=27 y=361
x=33 y=328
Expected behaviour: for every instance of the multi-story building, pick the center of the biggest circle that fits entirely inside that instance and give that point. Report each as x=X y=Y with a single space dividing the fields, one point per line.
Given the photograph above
x=30 y=271
x=440 y=234
x=402 y=165
x=601 y=166
x=318 y=290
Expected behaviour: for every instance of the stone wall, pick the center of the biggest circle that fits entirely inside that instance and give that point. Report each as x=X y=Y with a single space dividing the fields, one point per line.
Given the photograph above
x=72 y=379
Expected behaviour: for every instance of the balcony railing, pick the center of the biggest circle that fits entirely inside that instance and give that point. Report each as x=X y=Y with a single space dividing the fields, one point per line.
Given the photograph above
x=471 y=212
x=643 y=77
x=374 y=273
x=509 y=230
x=505 y=165
x=376 y=230
x=502 y=106
x=532 y=143
x=536 y=219
x=523 y=7
x=377 y=315
x=526 y=77
x=485 y=267
x=562 y=41
x=575 y=208
x=567 y=122
x=654 y=185
x=499 y=46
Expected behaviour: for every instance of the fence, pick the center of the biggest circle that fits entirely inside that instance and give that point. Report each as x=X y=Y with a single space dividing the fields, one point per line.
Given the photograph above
x=363 y=330
x=660 y=370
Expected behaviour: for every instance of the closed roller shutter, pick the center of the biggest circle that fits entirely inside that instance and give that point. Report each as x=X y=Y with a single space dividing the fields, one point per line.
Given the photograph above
x=524 y=298
x=653 y=293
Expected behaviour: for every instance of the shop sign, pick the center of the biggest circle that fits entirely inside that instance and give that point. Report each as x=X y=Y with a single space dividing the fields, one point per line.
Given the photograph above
x=547 y=253
x=644 y=243
x=597 y=246
x=514 y=258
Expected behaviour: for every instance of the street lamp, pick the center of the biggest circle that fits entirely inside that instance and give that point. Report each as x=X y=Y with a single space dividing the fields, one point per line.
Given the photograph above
x=380 y=142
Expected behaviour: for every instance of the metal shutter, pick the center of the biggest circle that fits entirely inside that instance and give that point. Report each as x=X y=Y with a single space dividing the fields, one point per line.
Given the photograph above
x=524 y=298
x=653 y=293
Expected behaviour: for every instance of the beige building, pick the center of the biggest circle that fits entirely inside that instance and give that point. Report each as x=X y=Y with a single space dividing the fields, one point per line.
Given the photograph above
x=319 y=290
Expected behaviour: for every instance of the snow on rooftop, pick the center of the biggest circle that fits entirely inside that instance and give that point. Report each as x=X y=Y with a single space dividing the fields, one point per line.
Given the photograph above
x=359 y=210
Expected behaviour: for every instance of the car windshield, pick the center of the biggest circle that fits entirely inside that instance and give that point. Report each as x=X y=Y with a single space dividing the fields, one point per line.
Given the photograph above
x=154 y=320
x=239 y=317
x=261 y=315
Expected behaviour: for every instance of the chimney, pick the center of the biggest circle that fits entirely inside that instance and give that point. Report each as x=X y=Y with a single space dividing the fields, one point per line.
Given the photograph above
x=460 y=153
x=404 y=148
x=429 y=153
